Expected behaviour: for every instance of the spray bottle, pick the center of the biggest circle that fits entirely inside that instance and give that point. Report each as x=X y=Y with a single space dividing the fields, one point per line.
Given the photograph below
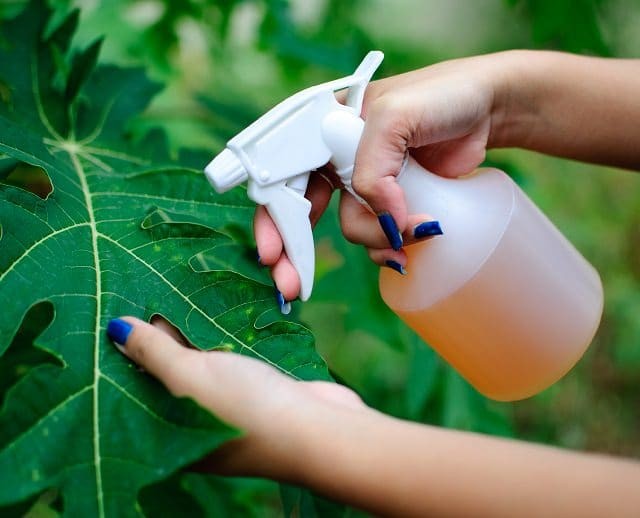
x=502 y=296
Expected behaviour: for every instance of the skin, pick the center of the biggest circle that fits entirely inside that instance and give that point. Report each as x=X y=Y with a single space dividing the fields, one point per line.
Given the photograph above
x=321 y=435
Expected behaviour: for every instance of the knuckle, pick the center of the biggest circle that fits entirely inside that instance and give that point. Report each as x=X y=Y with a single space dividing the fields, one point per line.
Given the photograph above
x=373 y=254
x=380 y=255
x=138 y=345
x=383 y=105
x=387 y=112
x=373 y=189
x=363 y=184
x=383 y=146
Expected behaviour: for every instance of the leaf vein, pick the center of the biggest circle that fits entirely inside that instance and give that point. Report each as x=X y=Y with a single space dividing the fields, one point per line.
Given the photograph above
x=36 y=244
x=166 y=198
x=193 y=306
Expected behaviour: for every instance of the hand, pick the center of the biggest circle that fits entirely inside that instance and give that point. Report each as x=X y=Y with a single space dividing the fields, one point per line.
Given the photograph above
x=442 y=115
x=243 y=392
x=322 y=436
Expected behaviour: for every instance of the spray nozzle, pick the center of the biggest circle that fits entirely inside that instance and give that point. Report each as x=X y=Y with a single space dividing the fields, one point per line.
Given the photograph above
x=225 y=171
x=278 y=151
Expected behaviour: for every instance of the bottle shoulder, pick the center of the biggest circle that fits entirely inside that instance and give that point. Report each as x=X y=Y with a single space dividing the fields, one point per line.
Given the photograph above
x=474 y=213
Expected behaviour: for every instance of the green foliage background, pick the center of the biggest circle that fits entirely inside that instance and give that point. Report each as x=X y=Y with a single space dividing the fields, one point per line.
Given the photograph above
x=226 y=62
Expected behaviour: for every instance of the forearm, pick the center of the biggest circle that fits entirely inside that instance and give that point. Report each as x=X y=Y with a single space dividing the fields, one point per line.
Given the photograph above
x=573 y=106
x=389 y=466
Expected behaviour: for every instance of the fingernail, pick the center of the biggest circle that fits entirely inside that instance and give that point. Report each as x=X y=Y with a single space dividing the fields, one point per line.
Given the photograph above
x=285 y=307
x=258 y=258
x=119 y=330
x=390 y=229
x=394 y=265
x=426 y=229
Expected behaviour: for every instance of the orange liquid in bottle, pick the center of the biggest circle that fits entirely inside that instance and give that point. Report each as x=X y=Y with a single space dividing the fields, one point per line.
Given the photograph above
x=512 y=317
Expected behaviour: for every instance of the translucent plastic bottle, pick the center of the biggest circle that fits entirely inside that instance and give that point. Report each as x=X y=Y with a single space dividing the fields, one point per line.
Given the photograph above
x=502 y=296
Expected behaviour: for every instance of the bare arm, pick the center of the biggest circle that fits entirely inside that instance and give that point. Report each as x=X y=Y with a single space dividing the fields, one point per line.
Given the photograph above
x=390 y=466
x=321 y=435
x=572 y=106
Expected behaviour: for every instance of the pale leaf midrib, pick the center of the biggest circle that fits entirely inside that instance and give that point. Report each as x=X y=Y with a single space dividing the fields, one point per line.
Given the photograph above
x=96 y=344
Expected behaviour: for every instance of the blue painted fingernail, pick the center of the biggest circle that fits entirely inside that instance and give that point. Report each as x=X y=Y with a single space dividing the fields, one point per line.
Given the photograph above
x=390 y=229
x=119 y=330
x=285 y=307
x=427 y=229
x=258 y=258
x=394 y=265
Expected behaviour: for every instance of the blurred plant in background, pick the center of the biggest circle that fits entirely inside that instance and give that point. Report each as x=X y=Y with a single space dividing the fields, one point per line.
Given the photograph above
x=226 y=62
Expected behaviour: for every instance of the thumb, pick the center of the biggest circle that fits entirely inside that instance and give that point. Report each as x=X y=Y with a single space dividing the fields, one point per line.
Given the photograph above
x=159 y=354
x=379 y=159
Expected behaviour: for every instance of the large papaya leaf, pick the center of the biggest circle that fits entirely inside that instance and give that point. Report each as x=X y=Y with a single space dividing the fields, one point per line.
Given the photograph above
x=117 y=234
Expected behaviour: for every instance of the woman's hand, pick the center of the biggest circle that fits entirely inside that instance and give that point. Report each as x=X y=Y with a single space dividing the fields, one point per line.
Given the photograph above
x=322 y=436
x=442 y=115
x=243 y=392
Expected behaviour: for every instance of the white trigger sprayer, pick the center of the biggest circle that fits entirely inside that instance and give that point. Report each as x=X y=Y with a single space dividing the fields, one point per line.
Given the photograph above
x=503 y=296
x=277 y=153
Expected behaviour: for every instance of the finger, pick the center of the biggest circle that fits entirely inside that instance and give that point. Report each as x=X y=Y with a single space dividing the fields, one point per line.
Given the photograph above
x=341 y=95
x=228 y=384
x=268 y=240
x=322 y=183
x=271 y=253
x=394 y=259
x=455 y=157
x=361 y=227
x=379 y=159
x=270 y=246
x=178 y=367
x=286 y=280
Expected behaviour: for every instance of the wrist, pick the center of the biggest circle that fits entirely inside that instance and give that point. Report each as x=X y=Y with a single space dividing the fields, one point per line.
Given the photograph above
x=320 y=432
x=518 y=94
x=290 y=434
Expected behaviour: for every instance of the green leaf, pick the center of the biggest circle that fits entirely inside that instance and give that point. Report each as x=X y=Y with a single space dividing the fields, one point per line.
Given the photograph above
x=550 y=29
x=464 y=408
x=82 y=65
x=301 y=502
x=21 y=356
x=117 y=235
x=424 y=367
